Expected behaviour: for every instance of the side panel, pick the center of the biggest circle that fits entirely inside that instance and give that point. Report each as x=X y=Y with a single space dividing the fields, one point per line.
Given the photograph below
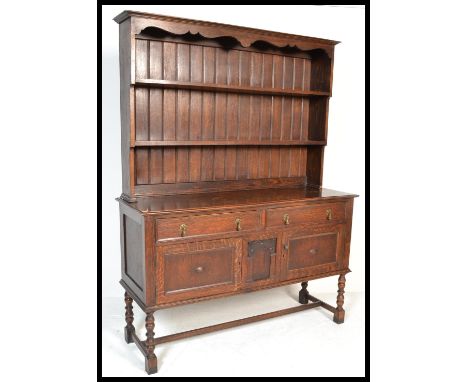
x=126 y=107
x=349 y=223
x=132 y=250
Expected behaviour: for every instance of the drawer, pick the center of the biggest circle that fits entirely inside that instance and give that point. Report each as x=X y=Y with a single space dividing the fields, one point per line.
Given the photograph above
x=310 y=214
x=208 y=224
x=198 y=269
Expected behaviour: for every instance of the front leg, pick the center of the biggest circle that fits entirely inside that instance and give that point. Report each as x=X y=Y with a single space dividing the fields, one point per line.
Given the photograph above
x=129 y=328
x=340 y=313
x=151 y=361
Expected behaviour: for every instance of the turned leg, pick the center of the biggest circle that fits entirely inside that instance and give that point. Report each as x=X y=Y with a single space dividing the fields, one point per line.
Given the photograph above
x=303 y=293
x=129 y=329
x=340 y=313
x=151 y=362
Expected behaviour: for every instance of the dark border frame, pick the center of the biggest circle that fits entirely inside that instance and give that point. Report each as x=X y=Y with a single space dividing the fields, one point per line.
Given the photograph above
x=367 y=186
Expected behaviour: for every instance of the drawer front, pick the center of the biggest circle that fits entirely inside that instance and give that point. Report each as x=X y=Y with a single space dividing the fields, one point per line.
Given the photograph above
x=197 y=225
x=313 y=251
x=310 y=214
x=198 y=269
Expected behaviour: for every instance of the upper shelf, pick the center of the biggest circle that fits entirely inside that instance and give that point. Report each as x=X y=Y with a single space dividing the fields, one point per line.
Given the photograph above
x=228 y=88
x=228 y=143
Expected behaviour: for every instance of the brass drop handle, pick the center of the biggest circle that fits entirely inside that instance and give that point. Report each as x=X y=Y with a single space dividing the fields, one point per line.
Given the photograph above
x=238 y=224
x=199 y=269
x=313 y=251
x=329 y=214
x=286 y=247
x=183 y=230
x=286 y=219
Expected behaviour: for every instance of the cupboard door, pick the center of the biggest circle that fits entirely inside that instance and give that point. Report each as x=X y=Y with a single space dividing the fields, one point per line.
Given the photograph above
x=259 y=261
x=312 y=251
x=197 y=269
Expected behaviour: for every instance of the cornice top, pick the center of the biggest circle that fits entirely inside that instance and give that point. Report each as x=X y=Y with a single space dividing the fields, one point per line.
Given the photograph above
x=245 y=36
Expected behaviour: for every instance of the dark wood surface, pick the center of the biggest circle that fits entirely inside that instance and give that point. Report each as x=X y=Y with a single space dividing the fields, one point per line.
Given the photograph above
x=245 y=36
x=152 y=308
x=320 y=214
x=313 y=250
x=151 y=361
x=126 y=108
x=174 y=203
x=200 y=225
x=339 y=312
x=224 y=130
x=129 y=328
x=234 y=115
x=260 y=260
x=217 y=186
x=196 y=269
x=189 y=254
x=167 y=84
x=227 y=143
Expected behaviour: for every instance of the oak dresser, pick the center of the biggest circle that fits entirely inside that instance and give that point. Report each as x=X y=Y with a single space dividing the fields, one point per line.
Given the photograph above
x=223 y=131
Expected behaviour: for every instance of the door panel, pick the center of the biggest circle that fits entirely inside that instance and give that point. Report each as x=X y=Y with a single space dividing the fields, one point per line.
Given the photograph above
x=259 y=264
x=259 y=257
x=198 y=269
x=312 y=251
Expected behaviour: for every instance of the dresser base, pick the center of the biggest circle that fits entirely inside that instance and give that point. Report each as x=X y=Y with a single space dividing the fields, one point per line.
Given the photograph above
x=147 y=347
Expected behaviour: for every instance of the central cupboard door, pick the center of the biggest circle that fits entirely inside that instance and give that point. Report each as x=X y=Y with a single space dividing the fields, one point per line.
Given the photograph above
x=259 y=261
x=312 y=251
x=197 y=269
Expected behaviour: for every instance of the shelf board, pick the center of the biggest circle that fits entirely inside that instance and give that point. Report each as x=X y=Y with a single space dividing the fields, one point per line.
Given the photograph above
x=228 y=88
x=228 y=143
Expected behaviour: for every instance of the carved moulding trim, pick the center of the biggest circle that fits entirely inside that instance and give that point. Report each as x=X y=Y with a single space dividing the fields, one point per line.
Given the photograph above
x=245 y=36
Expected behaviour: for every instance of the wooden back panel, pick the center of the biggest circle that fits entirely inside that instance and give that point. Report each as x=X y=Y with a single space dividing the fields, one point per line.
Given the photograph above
x=210 y=114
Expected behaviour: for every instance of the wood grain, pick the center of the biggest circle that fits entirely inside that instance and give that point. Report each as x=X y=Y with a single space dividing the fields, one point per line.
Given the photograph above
x=312 y=250
x=220 y=142
x=223 y=136
x=184 y=270
x=203 y=134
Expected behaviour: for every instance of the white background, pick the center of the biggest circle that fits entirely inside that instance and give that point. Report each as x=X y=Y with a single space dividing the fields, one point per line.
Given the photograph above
x=343 y=170
x=418 y=213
